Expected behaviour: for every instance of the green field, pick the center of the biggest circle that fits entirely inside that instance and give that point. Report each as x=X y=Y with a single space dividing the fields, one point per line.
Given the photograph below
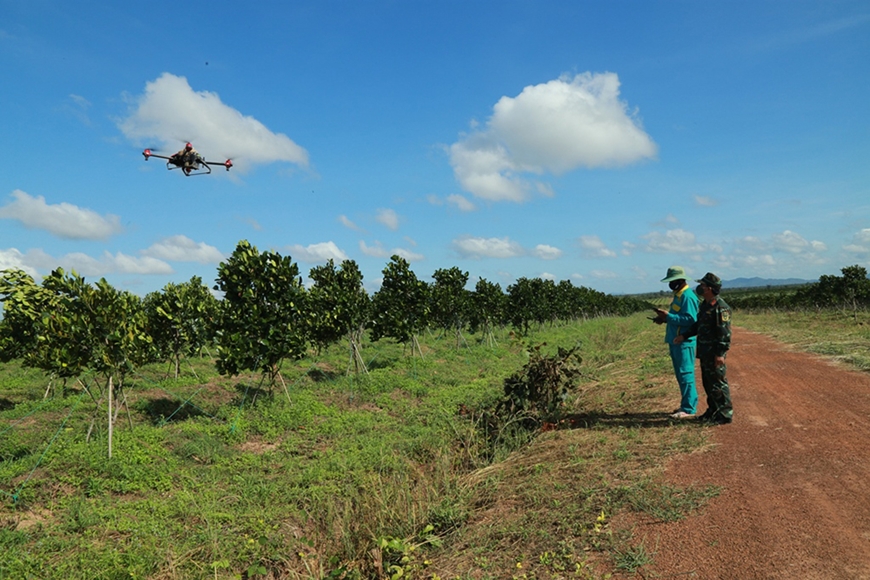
x=369 y=476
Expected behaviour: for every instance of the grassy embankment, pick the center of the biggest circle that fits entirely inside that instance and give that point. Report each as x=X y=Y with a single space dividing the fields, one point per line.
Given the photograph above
x=352 y=475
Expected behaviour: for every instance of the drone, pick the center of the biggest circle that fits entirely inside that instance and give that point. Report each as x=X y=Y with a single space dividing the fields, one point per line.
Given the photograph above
x=188 y=160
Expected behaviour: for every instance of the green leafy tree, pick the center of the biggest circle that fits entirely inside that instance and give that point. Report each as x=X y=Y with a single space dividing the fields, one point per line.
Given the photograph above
x=263 y=316
x=487 y=308
x=400 y=308
x=450 y=301
x=38 y=328
x=180 y=319
x=69 y=326
x=340 y=307
x=521 y=307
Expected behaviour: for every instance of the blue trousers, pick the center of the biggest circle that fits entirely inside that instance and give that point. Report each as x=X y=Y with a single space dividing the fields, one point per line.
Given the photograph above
x=683 y=357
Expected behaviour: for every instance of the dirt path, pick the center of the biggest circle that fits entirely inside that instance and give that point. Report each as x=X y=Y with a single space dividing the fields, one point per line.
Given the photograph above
x=795 y=472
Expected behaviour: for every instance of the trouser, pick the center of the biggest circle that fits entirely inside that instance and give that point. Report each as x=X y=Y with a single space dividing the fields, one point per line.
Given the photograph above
x=683 y=357
x=716 y=388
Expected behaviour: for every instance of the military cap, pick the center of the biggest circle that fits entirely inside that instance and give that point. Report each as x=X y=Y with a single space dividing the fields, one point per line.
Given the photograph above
x=711 y=280
x=675 y=273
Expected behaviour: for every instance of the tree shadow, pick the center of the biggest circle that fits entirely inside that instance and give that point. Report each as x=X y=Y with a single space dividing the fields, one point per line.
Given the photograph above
x=642 y=420
x=319 y=375
x=382 y=363
x=166 y=410
x=6 y=404
x=247 y=393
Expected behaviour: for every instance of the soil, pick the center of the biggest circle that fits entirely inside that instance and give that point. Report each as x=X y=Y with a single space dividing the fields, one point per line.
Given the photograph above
x=794 y=471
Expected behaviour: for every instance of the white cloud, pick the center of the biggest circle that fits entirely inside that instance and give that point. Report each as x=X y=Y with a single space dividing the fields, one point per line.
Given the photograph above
x=753 y=261
x=860 y=243
x=546 y=252
x=672 y=241
x=593 y=247
x=553 y=127
x=388 y=218
x=628 y=248
x=705 y=201
x=790 y=242
x=547 y=276
x=345 y=221
x=461 y=202
x=379 y=251
x=317 y=253
x=64 y=220
x=603 y=274
x=182 y=249
x=471 y=247
x=12 y=259
x=108 y=263
x=171 y=112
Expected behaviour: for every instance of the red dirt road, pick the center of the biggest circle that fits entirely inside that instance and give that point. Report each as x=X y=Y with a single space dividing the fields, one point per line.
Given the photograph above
x=794 y=467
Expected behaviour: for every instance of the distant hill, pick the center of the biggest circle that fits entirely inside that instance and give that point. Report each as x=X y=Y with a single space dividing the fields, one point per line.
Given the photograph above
x=756 y=282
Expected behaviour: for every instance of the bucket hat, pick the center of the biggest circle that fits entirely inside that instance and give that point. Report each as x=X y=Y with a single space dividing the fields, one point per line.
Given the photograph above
x=675 y=273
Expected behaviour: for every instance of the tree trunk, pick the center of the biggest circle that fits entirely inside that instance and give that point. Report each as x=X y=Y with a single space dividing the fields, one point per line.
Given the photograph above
x=111 y=388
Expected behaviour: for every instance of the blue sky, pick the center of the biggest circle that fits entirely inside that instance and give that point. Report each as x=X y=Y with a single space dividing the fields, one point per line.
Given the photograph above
x=599 y=142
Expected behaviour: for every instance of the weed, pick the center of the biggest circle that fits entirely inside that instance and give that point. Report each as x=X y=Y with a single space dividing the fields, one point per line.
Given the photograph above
x=632 y=558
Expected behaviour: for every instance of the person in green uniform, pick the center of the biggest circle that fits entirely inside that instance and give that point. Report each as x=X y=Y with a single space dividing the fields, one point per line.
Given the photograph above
x=713 y=329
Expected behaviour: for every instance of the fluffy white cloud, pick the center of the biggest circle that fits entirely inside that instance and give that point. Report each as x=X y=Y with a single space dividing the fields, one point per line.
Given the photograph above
x=170 y=112
x=108 y=263
x=182 y=249
x=552 y=127
x=860 y=243
x=388 y=218
x=593 y=247
x=672 y=241
x=379 y=251
x=317 y=253
x=12 y=259
x=546 y=252
x=64 y=220
x=792 y=243
x=471 y=247
x=603 y=274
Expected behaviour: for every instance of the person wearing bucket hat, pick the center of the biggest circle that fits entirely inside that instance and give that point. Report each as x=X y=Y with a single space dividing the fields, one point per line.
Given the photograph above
x=713 y=329
x=680 y=315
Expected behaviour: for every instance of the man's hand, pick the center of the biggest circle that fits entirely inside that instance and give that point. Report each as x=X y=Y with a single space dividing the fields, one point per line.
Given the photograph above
x=661 y=316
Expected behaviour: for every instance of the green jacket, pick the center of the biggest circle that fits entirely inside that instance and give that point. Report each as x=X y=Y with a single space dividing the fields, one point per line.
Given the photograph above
x=713 y=329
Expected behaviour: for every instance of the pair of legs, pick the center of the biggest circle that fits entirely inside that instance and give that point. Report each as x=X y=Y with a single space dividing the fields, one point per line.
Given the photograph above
x=719 y=407
x=683 y=357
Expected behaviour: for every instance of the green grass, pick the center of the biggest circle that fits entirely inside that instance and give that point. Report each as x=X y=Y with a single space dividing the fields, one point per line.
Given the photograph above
x=213 y=478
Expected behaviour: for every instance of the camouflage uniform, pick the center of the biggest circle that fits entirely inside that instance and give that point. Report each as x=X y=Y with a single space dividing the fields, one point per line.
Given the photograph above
x=713 y=330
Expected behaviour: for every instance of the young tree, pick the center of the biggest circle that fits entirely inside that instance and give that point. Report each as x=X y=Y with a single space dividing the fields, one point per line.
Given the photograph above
x=487 y=308
x=340 y=306
x=521 y=305
x=450 y=300
x=69 y=326
x=400 y=309
x=263 y=316
x=180 y=318
x=38 y=327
